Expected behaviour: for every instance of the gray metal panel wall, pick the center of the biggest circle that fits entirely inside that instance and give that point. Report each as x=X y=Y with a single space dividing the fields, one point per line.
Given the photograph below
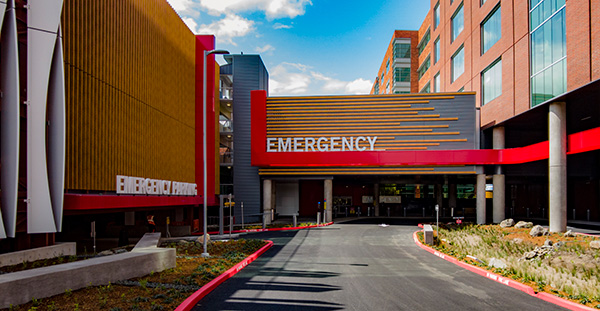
x=249 y=73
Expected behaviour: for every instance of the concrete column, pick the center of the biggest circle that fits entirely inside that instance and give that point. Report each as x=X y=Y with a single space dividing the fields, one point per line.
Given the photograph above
x=267 y=199
x=452 y=195
x=499 y=201
x=439 y=195
x=129 y=218
x=557 y=166
x=376 y=198
x=480 y=192
x=328 y=195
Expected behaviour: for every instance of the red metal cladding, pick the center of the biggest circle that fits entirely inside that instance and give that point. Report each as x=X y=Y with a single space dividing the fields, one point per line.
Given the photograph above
x=103 y=202
x=205 y=42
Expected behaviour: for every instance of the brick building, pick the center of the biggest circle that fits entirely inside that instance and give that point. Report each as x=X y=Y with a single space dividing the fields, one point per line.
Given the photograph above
x=517 y=56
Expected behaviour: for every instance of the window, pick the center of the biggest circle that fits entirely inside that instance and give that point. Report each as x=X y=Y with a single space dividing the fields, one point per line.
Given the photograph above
x=426 y=88
x=436 y=15
x=382 y=74
x=401 y=50
x=436 y=48
x=491 y=82
x=458 y=22
x=424 y=42
x=402 y=92
x=423 y=69
x=462 y=89
x=548 y=49
x=482 y=2
x=437 y=83
x=376 y=91
x=387 y=66
x=402 y=74
x=458 y=63
x=490 y=30
x=387 y=87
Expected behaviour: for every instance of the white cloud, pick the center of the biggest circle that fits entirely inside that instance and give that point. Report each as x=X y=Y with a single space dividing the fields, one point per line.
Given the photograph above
x=264 y=49
x=226 y=29
x=359 y=86
x=180 y=5
x=191 y=23
x=297 y=79
x=272 y=8
x=282 y=26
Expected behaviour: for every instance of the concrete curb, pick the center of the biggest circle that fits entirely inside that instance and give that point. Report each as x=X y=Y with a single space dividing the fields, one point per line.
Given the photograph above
x=268 y=229
x=506 y=281
x=192 y=300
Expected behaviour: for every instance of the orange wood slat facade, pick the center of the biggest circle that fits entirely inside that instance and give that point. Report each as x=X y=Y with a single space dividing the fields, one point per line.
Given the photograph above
x=130 y=73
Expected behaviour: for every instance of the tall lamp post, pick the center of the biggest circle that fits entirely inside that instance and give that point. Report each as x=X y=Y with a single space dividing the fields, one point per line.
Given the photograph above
x=204 y=152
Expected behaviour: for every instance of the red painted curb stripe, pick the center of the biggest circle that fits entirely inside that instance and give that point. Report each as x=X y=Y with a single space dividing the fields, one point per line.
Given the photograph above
x=506 y=281
x=266 y=230
x=192 y=300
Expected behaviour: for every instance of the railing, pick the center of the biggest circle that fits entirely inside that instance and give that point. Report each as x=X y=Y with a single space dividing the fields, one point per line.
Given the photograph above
x=225 y=126
x=226 y=93
x=226 y=158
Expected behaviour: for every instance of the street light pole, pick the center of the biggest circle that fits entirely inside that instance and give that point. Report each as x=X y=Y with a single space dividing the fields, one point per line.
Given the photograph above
x=204 y=152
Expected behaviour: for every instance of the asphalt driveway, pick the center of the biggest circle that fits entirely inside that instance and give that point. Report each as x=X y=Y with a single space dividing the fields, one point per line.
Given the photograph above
x=359 y=267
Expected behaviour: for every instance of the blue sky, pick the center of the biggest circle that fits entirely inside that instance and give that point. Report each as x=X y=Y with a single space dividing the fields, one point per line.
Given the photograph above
x=309 y=47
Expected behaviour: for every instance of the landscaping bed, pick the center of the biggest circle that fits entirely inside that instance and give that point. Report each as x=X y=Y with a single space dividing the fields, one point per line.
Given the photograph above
x=157 y=291
x=565 y=266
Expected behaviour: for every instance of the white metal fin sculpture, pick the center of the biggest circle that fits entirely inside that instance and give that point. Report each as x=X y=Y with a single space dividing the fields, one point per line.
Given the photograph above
x=9 y=129
x=45 y=96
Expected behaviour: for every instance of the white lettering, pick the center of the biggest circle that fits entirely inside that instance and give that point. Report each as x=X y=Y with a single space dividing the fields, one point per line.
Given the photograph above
x=297 y=144
x=138 y=185
x=372 y=142
x=121 y=184
x=270 y=143
x=334 y=143
x=346 y=143
x=309 y=142
x=283 y=147
x=358 y=147
x=319 y=146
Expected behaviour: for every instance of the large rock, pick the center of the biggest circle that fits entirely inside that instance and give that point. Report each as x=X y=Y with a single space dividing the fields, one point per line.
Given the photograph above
x=537 y=231
x=507 y=223
x=569 y=234
x=523 y=224
x=497 y=263
x=595 y=244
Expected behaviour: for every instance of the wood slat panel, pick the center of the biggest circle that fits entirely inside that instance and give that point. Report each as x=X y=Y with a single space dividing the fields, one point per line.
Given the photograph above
x=130 y=74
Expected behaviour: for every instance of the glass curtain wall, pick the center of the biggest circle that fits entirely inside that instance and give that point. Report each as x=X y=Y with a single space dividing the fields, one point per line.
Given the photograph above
x=548 y=49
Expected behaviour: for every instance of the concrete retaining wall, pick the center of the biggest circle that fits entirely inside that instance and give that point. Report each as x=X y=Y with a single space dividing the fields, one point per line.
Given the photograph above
x=21 y=287
x=60 y=249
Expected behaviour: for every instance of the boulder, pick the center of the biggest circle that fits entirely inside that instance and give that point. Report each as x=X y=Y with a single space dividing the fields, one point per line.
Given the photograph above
x=558 y=245
x=201 y=238
x=537 y=231
x=529 y=255
x=523 y=224
x=507 y=223
x=548 y=243
x=497 y=263
x=106 y=253
x=569 y=234
x=595 y=244
x=517 y=240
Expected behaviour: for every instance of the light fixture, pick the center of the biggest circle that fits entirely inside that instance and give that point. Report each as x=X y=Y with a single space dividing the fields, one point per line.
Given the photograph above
x=204 y=152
